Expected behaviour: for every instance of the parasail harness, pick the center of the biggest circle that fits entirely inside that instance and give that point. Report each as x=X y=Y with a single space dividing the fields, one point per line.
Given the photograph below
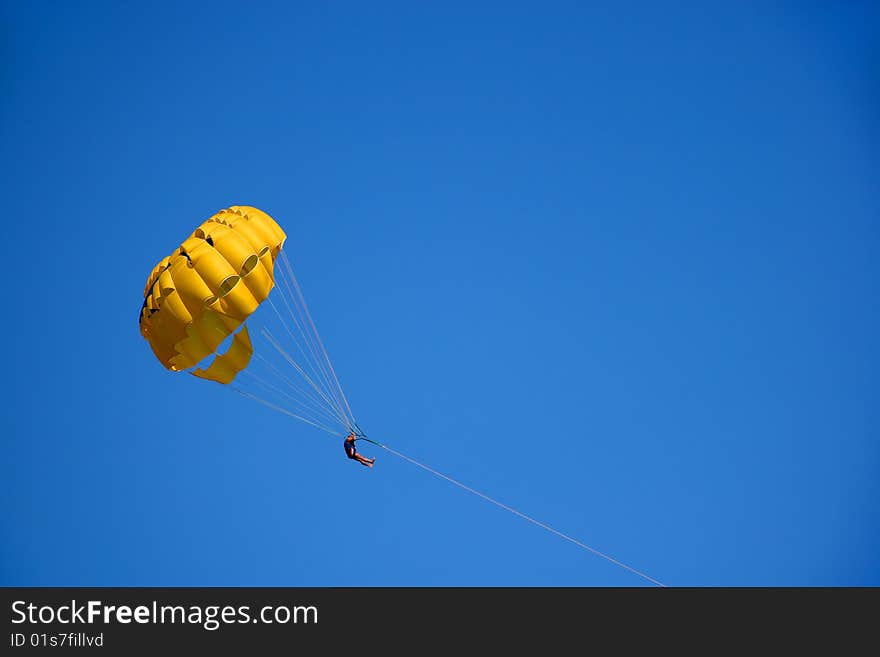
x=360 y=435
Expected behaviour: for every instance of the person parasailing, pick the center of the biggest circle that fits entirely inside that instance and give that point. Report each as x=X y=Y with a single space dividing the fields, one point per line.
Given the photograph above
x=352 y=453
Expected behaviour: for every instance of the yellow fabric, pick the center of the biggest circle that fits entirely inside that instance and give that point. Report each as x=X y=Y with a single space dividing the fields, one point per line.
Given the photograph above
x=207 y=287
x=225 y=366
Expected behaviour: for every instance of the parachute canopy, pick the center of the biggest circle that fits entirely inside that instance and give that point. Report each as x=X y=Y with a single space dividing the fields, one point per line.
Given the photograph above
x=202 y=293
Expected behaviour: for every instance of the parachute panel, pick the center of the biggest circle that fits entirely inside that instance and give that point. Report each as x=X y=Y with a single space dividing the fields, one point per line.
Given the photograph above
x=226 y=366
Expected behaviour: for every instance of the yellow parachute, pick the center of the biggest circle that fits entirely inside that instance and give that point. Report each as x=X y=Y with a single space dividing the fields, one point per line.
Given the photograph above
x=201 y=293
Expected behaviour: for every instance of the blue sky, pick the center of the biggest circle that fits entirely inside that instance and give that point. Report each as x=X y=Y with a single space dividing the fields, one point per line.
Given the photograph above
x=612 y=264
